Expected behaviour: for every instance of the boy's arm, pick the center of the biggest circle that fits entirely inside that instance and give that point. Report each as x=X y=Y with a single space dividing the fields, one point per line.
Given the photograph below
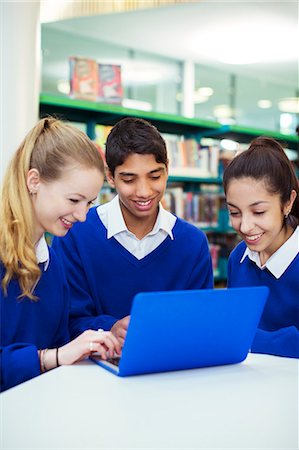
x=85 y=311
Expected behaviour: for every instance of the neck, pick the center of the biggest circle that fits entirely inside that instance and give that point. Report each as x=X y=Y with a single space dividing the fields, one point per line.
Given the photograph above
x=286 y=233
x=140 y=226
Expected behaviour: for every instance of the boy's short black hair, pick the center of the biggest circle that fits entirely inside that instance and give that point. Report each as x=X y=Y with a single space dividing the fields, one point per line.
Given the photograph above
x=134 y=135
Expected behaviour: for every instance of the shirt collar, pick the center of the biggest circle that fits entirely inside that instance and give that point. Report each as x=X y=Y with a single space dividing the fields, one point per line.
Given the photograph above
x=116 y=223
x=278 y=263
x=42 y=252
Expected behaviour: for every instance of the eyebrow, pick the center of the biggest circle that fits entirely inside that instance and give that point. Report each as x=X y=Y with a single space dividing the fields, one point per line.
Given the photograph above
x=131 y=174
x=82 y=196
x=252 y=204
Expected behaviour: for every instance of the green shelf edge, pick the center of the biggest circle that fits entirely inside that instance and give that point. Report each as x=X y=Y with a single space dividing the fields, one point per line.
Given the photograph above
x=66 y=102
x=216 y=129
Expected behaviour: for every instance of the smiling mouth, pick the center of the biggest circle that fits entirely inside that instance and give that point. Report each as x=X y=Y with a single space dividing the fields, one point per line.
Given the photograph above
x=145 y=203
x=66 y=222
x=254 y=237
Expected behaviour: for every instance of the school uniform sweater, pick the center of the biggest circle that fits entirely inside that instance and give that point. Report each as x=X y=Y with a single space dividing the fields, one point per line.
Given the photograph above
x=104 y=277
x=278 y=330
x=27 y=325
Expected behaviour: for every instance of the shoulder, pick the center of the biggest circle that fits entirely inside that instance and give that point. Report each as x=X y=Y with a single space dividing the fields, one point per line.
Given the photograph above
x=183 y=228
x=186 y=227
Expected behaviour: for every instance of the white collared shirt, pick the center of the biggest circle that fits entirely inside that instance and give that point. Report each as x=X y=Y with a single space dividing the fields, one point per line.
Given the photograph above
x=112 y=218
x=278 y=263
x=42 y=252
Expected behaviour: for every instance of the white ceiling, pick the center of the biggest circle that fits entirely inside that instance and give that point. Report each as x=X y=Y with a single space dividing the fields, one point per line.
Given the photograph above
x=205 y=31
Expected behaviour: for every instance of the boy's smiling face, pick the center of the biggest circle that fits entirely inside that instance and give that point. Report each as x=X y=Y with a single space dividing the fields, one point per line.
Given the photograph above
x=140 y=183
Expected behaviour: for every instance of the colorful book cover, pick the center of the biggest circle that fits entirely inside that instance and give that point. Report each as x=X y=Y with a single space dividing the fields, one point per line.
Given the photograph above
x=83 y=78
x=110 y=86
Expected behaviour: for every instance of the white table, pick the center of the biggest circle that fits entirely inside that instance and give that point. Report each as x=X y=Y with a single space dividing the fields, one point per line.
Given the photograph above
x=252 y=405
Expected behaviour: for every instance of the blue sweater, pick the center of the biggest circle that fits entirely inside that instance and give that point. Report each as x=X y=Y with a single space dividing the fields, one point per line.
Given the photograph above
x=104 y=277
x=27 y=326
x=278 y=331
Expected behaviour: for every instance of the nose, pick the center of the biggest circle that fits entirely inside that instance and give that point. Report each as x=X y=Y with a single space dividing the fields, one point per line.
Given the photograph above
x=143 y=189
x=246 y=224
x=80 y=213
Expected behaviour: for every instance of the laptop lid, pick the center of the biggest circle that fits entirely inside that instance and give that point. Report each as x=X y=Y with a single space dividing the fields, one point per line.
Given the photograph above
x=176 y=330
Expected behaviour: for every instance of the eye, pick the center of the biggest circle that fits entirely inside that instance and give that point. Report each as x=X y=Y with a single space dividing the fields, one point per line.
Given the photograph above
x=128 y=181
x=155 y=177
x=73 y=200
x=233 y=213
x=91 y=202
x=258 y=213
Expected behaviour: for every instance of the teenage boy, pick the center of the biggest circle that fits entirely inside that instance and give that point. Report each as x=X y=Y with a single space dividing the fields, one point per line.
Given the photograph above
x=131 y=244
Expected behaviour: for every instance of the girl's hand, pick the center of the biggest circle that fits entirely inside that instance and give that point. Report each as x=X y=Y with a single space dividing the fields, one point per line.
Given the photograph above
x=89 y=342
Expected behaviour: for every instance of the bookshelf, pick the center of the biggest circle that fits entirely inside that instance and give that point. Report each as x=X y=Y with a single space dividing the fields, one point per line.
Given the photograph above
x=92 y=113
x=190 y=184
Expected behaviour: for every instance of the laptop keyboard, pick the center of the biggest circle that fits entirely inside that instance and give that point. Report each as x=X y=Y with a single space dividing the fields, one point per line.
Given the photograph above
x=115 y=360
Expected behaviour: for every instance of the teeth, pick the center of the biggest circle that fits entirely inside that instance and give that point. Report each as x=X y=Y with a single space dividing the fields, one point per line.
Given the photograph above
x=144 y=203
x=254 y=237
x=67 y=222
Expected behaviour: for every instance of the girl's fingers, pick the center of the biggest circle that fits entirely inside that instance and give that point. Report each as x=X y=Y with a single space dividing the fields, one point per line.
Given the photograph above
x=103 y=342
x=109 y=340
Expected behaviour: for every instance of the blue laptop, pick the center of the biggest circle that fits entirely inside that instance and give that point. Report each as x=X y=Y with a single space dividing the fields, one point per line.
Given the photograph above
x=177 y=330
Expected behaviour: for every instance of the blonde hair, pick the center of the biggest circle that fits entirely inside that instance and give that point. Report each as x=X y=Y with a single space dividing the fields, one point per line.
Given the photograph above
x=48 y=147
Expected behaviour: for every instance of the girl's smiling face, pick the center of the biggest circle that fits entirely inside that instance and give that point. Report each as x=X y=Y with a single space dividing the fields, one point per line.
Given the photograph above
x=58 y=204
x=257 y=215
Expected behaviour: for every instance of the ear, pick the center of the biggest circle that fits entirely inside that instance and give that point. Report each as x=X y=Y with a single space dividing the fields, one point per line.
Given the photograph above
x=110 y=178
x=33 y=181
x=289 y=204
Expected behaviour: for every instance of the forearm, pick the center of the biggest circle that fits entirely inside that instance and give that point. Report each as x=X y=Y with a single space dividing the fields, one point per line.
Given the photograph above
x=282 y=342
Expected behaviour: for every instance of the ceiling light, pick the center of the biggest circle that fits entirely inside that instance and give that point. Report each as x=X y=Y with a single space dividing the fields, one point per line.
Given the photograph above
x=289 y=105
x=223 y=111
x=197 y=98
x=264 y=104
x=205 y=91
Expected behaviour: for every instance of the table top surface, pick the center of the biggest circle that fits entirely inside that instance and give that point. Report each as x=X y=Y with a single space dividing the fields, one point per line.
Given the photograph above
x=252 y=405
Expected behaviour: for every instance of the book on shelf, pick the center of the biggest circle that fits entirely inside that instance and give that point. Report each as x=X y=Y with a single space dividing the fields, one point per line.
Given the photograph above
x=195 y=207
x=110 y=85
x=83 y=78
x=187 y=157
x=93 y=81
x=101 y=134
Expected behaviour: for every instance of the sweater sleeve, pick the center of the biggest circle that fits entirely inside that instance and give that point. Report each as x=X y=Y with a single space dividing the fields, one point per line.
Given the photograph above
x=85 y=313
x=282 y=342
x=19 y=363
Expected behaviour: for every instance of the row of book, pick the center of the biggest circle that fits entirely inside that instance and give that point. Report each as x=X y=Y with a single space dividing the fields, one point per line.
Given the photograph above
x=92 y=81
x=204 y=209
x=189 y=157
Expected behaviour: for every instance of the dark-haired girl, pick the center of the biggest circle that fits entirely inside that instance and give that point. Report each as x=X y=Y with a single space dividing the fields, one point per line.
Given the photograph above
x=261 y=191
